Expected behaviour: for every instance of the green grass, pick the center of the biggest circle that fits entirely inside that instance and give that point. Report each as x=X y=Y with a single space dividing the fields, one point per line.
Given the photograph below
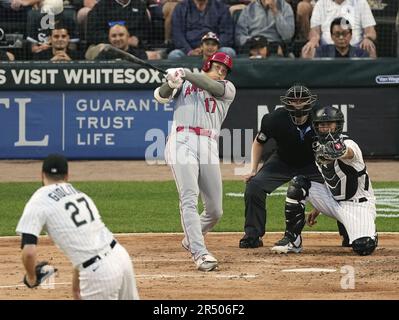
x=153 y=207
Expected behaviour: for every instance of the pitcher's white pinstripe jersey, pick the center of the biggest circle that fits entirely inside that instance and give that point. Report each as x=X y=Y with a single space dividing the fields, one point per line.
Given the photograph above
x=71 y=219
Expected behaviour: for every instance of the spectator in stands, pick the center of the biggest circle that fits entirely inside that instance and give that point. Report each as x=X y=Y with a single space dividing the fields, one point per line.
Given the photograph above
x=58 y=50
x=13 y=17
x=133 y=13
x=303 y=11
x=341 y=34
x=82 y=15
x=258 y=47
x=167 y=10
x=210 y=44
x=397 y=33
x=273 y=19
x=358 y=13
x=118 y=36
x=192 y=19
x=39 y=36
x=11 y=4
x=6 y=56
x=237 y=5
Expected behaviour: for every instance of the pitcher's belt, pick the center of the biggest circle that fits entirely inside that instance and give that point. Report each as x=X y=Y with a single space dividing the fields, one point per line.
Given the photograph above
x=89 y=262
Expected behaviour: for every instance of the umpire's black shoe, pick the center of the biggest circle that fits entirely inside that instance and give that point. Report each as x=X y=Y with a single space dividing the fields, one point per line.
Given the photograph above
x=247 y=242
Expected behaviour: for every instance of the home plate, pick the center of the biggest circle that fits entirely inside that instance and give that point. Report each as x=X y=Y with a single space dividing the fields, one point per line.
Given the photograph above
x=309 y=270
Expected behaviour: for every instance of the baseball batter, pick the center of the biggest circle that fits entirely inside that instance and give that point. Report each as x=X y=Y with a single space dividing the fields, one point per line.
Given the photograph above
x=102 y=267
x=346 y=195
x=202 y=103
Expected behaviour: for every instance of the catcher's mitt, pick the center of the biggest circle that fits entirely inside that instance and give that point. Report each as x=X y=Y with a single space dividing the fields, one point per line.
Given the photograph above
x=330 y=151
x=43 y=271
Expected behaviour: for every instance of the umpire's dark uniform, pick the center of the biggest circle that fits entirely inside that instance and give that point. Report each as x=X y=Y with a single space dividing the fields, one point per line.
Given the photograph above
x=294 y=156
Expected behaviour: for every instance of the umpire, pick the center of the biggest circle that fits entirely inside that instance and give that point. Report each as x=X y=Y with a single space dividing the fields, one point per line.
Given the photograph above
x=291 y=128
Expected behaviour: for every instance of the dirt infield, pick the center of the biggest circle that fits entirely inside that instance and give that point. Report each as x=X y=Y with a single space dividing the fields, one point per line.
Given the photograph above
x=29 y=170
x=165 y=270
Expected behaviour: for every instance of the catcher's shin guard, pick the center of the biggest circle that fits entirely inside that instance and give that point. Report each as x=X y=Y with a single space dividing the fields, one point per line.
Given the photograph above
x=298 y=190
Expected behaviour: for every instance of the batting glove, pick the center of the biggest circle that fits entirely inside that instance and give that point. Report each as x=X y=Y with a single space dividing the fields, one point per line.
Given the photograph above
x=175 y=84
x=174 y=74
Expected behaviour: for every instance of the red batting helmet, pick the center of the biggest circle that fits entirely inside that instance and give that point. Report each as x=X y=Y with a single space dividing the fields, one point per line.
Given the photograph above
x=218 y=57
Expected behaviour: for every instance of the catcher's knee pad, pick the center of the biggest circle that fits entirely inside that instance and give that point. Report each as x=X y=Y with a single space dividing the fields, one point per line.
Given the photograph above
x=364 y=246
x=298 y=188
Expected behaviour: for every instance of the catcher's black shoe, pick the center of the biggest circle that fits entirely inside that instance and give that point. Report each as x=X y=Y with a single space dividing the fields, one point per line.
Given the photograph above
x=344 y=234
x=247 y=242
x=282 y=242
x=345 y=243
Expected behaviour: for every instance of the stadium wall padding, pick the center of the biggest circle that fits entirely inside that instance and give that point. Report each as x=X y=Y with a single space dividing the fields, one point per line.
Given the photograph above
x=105 y=110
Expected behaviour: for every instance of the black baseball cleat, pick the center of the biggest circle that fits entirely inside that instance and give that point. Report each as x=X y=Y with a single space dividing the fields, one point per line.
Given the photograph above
x=285 y=245
x=247 y=242
x=282 y=242
x=345 y=242
x=344 y=234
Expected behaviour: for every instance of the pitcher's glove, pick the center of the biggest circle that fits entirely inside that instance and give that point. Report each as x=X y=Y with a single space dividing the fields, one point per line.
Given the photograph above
x=43 y=271
x=330 y=151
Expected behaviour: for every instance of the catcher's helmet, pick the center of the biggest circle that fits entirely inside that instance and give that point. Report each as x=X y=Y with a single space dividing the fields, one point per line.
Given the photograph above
x=327 y=114
x=218 y=57
x=298 y=101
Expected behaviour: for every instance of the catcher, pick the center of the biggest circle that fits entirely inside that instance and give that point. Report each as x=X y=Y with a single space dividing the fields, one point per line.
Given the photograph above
x=347 y=195
x=102 y=267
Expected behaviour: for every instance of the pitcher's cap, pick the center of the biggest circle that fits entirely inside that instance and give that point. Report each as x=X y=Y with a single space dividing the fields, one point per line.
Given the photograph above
x=55 y=164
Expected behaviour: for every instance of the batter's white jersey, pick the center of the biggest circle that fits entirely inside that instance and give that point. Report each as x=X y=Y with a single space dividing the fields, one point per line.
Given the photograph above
x=73 y=222
x=347 y=194
x=196 y=107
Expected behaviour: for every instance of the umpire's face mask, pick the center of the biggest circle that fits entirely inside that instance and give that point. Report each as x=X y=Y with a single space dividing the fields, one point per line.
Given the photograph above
x=299 y=110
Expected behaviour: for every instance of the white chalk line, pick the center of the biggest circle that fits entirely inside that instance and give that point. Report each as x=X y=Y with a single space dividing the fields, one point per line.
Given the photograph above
x=162 y=234
x=385 y=197
x=309 y=270
x=188 y=260
x=158 y=276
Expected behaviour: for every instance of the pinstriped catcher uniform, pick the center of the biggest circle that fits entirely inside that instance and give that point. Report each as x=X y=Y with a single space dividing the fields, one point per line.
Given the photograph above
x=346 y=195
x=72 y=220
x=349 y=196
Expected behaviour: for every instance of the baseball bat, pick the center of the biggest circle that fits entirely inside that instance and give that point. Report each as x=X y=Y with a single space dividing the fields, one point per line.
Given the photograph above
x=131 y=58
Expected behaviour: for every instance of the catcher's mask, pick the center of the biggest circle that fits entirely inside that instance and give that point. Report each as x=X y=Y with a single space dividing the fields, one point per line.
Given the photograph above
x=327 y=114
x=298 y=101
